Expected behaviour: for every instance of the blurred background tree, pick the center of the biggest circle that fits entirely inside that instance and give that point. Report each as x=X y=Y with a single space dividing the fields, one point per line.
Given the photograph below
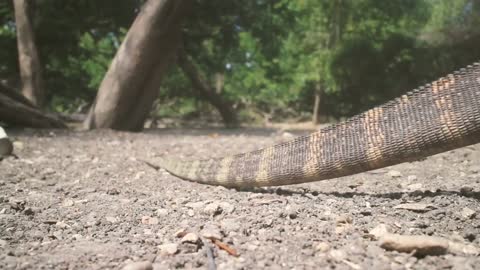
x=265 y=60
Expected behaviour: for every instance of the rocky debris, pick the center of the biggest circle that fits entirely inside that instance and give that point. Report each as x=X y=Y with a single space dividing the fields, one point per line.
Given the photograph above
x=468 y=213
x=195 y=205
x=474 y=169
x=145 y=265
x=394 y=174
x=162 y=212
x=291 y=211
x=227 y=208
x=416 y=207
x=337 y=254
x=266 y=228
x=212 y=233
x=113 y=191
x=422 y=245
x=414 y=187
x=181 y=233
x=111 y=219
x=343 y=224
x=6 y=146
x=379 y=231
x=47 y=172
x=322 y=247
x=68 y=203
x=466 y=190
x=62 y=225
x=230 y=224
x=168 y=249
x=463 y=249
x=147 y=220
x=3 y=243
x=190 y=238
x=28 y=211
x=213 y=209
x=412 y=178
x=17 y=205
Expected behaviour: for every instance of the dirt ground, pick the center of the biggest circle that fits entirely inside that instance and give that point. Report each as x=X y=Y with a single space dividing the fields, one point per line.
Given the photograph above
x=85 y=200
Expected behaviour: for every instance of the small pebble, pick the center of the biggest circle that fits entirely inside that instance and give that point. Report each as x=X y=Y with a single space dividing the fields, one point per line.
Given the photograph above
x=3 y=243
x=149 y=220
x=62 y=225
x=337 y=254
x=111 y=219
x=418 y=244
x=168 y=249
x=190 y=238
x=322 y=247
x=195 y=205
x=412 y=178
x=230 y=225
x=18 y=205
x=474 y=169
x=212 y=233
x=379 y=231
x=181 y=233
x=145 y=265
x=227 y=207
x=468 y=213
x=291 y=211
x=161 y=212
x=394 y=174
x=28 y=211
x=68 y=203
x=416 y=186
x=466 y=190
x=213 y=209
x=416 y=207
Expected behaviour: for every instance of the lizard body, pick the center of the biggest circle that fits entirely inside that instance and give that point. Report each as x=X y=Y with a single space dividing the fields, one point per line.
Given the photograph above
x=435 y=118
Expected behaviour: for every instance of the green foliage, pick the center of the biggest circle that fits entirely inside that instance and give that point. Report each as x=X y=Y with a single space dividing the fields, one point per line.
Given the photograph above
x=8 y=43
x=272 y=53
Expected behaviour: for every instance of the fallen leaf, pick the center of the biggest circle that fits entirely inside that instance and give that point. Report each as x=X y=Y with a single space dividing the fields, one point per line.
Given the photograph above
x=225 y=247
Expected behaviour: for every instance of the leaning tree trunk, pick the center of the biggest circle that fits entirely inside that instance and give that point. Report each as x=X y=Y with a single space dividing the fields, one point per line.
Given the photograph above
x=16 y=110
x=199 y=84
x=29 y=62
x=132 y=82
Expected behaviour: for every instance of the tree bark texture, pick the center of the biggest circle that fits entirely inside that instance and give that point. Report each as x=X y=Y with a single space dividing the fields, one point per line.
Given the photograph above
x=316 y=104
x=200 y=85
x=29 y=61
x=132 y=82
x=16 y=111
x=15 y=95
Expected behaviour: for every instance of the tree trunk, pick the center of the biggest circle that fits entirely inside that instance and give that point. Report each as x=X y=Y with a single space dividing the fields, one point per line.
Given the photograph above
x=133 y=80
x=316 y=104
x=15 y=110
x=199 y=84
x=29 y=62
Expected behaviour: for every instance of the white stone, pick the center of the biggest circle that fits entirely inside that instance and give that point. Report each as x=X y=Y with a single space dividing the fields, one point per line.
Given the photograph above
x=168 y=249
x=6 y=146
x=394 y=174
x=190 y=238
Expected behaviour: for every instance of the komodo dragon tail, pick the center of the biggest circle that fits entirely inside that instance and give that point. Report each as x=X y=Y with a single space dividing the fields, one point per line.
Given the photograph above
x=438 y=117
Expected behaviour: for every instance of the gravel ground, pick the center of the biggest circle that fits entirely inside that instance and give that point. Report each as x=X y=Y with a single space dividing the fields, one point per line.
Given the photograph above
x=84 y=200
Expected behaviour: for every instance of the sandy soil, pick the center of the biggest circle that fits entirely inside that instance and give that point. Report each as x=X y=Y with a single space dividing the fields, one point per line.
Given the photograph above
x=84 y=200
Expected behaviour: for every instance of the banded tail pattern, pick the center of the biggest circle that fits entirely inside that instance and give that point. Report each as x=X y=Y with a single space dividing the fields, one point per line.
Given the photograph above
x=435 y=118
